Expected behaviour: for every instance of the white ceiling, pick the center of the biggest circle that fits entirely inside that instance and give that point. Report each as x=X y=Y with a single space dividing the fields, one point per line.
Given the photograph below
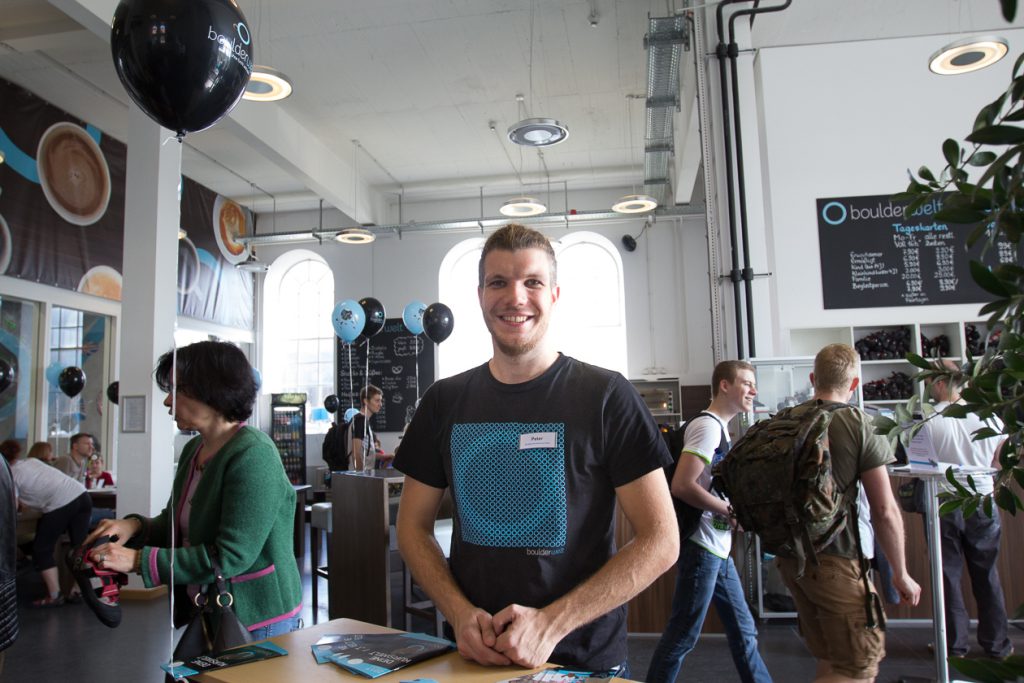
x=418 y=83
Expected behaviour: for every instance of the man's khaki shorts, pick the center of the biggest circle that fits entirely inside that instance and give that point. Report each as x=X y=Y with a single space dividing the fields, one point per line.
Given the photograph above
x=831 y=611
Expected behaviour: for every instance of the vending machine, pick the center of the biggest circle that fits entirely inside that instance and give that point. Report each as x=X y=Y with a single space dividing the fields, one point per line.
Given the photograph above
x=288 y=431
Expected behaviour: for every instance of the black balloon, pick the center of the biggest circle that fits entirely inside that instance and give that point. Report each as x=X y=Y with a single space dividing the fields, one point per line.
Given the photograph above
x=438 y=322
x=185 y=63
x=331 y=404
x=375 y=316
x=71 y=381
x=7 y=375
x=113 y=392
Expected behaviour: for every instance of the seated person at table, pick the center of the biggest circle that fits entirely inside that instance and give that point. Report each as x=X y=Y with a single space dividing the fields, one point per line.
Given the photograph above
x=230 y=499
x=76 y=462
x=97 y=477
x=65 y=506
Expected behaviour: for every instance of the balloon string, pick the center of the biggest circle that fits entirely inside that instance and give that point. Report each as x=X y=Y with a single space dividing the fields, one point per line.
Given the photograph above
x=416 y=363
x=351 y=395
x=366 y=418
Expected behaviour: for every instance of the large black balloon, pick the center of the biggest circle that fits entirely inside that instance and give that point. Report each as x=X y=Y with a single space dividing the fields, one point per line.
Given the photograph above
x=71 y=381
x=184 y=62
x=331 y=404
x=7 y=375
x=438 y=322
x=114 y=392
x=375 y=316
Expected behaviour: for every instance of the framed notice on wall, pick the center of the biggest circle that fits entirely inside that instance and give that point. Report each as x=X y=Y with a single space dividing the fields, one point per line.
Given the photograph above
x=874 y=255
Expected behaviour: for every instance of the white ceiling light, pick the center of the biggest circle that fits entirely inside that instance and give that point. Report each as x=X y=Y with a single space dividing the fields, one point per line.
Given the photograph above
x=355 y=236
x=252 y=265
x=522 y=206
x=2 y=156
x=537 y=132
x=968 y=54
x=635 y=203
x=267 y=85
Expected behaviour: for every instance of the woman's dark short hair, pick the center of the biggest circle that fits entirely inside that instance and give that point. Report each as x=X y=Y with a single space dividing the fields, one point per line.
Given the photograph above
x=211 y=372
x=10 y=449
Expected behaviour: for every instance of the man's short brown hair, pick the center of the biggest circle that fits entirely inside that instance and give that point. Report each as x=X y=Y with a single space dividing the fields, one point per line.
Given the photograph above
x=835 y=367
x=368 y=392
x=513 y=237
x=727 y=370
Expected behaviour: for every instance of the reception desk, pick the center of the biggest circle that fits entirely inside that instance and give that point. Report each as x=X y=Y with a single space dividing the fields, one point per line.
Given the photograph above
x=299 y=665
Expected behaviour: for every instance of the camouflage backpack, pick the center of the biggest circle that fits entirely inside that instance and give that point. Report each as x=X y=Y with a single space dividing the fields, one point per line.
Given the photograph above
x=778 y=478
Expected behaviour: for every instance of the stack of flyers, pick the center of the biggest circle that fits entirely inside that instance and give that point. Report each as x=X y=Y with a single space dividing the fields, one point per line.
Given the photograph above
x=246 y=654
x=376 y=654
x=562 y=676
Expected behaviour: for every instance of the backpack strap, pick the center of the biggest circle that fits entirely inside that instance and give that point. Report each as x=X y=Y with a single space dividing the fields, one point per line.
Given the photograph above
x=871 y=606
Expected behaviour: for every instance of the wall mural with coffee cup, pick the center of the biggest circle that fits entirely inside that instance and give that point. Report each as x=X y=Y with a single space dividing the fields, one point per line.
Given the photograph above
x=62 y=215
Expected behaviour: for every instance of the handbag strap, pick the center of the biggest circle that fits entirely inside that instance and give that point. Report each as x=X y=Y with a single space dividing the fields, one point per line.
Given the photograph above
x=223 y=596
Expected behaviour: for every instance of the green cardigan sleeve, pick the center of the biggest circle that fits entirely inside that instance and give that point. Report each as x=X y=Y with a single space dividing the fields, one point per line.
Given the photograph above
x=243 y=493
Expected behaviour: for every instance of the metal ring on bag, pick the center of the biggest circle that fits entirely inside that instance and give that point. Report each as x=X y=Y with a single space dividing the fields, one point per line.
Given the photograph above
x=231 y=600
x=196 y=600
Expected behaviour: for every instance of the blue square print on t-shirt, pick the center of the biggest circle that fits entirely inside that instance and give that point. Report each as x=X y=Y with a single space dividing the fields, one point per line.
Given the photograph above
x=508 y=496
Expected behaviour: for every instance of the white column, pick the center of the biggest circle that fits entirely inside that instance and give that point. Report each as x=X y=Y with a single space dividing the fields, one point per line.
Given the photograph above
x=148 y=310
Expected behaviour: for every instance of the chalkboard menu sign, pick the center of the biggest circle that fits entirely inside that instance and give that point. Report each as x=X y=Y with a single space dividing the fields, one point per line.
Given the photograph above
x=394 y=356
x=874 y=255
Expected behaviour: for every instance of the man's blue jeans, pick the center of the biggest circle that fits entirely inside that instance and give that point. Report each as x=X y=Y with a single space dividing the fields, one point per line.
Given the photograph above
x=705 y=578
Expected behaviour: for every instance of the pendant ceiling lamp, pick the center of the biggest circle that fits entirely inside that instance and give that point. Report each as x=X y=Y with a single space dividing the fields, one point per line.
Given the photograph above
x=355 y=235
x=636 y=202
x=535 y=131
x=522 y=206
x=266 y=84
x=253 y=264
x=968 y=54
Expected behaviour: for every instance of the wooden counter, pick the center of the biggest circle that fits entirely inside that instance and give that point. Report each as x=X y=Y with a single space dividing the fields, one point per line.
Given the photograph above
x=299 y=665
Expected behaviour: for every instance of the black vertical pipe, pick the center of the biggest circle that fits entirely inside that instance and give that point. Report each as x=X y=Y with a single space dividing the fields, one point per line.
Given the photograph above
x=734 y=273
x=732 y=51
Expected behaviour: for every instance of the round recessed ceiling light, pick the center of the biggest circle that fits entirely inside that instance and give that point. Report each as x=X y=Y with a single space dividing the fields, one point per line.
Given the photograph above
x=635 y=203
x=537 y=132
x=969 y=54
x=267 y=85
x=522 y=206
x=355 y=236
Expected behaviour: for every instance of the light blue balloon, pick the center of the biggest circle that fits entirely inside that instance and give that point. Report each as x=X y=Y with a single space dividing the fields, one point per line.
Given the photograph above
x=53 y=371
x=350 y=413
x=412 y=316
x=348 y=320
x=257 y=377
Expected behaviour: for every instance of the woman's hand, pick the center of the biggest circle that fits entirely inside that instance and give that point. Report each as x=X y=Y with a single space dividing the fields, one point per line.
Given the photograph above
x=120 y=530
x=114 y=557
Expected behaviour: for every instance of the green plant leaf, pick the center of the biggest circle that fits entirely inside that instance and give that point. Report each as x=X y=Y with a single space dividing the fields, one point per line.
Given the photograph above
x=1009 y=8
x=1016 y=115
x=950 y=505
x=998 y=306
x=981 y=274
x=882 y=424
x=998 y=134
x=955 y=410
x=1006 y=499
x=918 y=361
x=963 y=216
x=951 y=150
x=983 y=158
x=986 y=671
x=926 y=173
x=986 y=506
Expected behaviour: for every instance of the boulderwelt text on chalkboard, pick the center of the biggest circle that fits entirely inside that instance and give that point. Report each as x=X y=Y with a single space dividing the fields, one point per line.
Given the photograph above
x=394 y=352
x=873 y=254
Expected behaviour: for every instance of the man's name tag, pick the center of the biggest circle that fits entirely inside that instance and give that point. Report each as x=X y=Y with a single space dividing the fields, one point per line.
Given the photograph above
x=538 y=440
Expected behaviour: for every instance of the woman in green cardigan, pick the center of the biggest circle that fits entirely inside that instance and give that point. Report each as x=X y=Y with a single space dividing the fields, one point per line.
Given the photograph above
x=230 y=498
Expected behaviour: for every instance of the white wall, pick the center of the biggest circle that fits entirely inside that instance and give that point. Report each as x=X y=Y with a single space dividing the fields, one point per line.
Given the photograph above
x=849 y=119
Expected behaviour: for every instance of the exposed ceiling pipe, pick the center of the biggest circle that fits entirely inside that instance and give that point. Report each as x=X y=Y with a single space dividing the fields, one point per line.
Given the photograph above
x=474 y=224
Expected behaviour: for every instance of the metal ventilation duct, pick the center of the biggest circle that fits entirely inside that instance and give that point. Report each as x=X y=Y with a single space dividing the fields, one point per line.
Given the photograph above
x=665 y=40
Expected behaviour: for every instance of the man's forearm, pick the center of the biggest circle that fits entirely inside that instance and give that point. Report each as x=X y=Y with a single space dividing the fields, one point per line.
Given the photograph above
x=889 y=527
x=626 y=574
x=424 y=558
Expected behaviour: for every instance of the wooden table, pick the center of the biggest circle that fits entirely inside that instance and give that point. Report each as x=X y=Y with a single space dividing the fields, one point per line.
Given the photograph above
x=104 y=497
x=299 y=665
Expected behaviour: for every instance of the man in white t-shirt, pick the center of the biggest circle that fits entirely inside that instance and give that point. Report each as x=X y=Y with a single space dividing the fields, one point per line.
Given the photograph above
x=706 y=571
x=974 y=540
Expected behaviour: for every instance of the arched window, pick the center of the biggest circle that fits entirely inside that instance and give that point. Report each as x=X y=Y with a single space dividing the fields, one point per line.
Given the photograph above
x=589 y=322
x=298 y=336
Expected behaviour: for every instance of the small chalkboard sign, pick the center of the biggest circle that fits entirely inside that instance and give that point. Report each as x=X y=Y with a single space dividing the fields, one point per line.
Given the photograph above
x=395 y=356
x=874 y=255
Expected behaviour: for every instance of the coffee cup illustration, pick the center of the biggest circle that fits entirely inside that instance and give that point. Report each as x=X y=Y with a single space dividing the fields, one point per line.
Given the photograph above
x=229 y=223
x=188 y=266
x=73 y=173
x=101 y=281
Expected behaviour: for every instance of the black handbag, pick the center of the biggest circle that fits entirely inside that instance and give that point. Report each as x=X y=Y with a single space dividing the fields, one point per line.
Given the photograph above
x=214 y=626
x=911 y=496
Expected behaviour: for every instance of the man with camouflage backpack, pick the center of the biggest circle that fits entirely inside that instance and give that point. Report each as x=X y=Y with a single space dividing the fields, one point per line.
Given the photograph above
x=838 y=610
